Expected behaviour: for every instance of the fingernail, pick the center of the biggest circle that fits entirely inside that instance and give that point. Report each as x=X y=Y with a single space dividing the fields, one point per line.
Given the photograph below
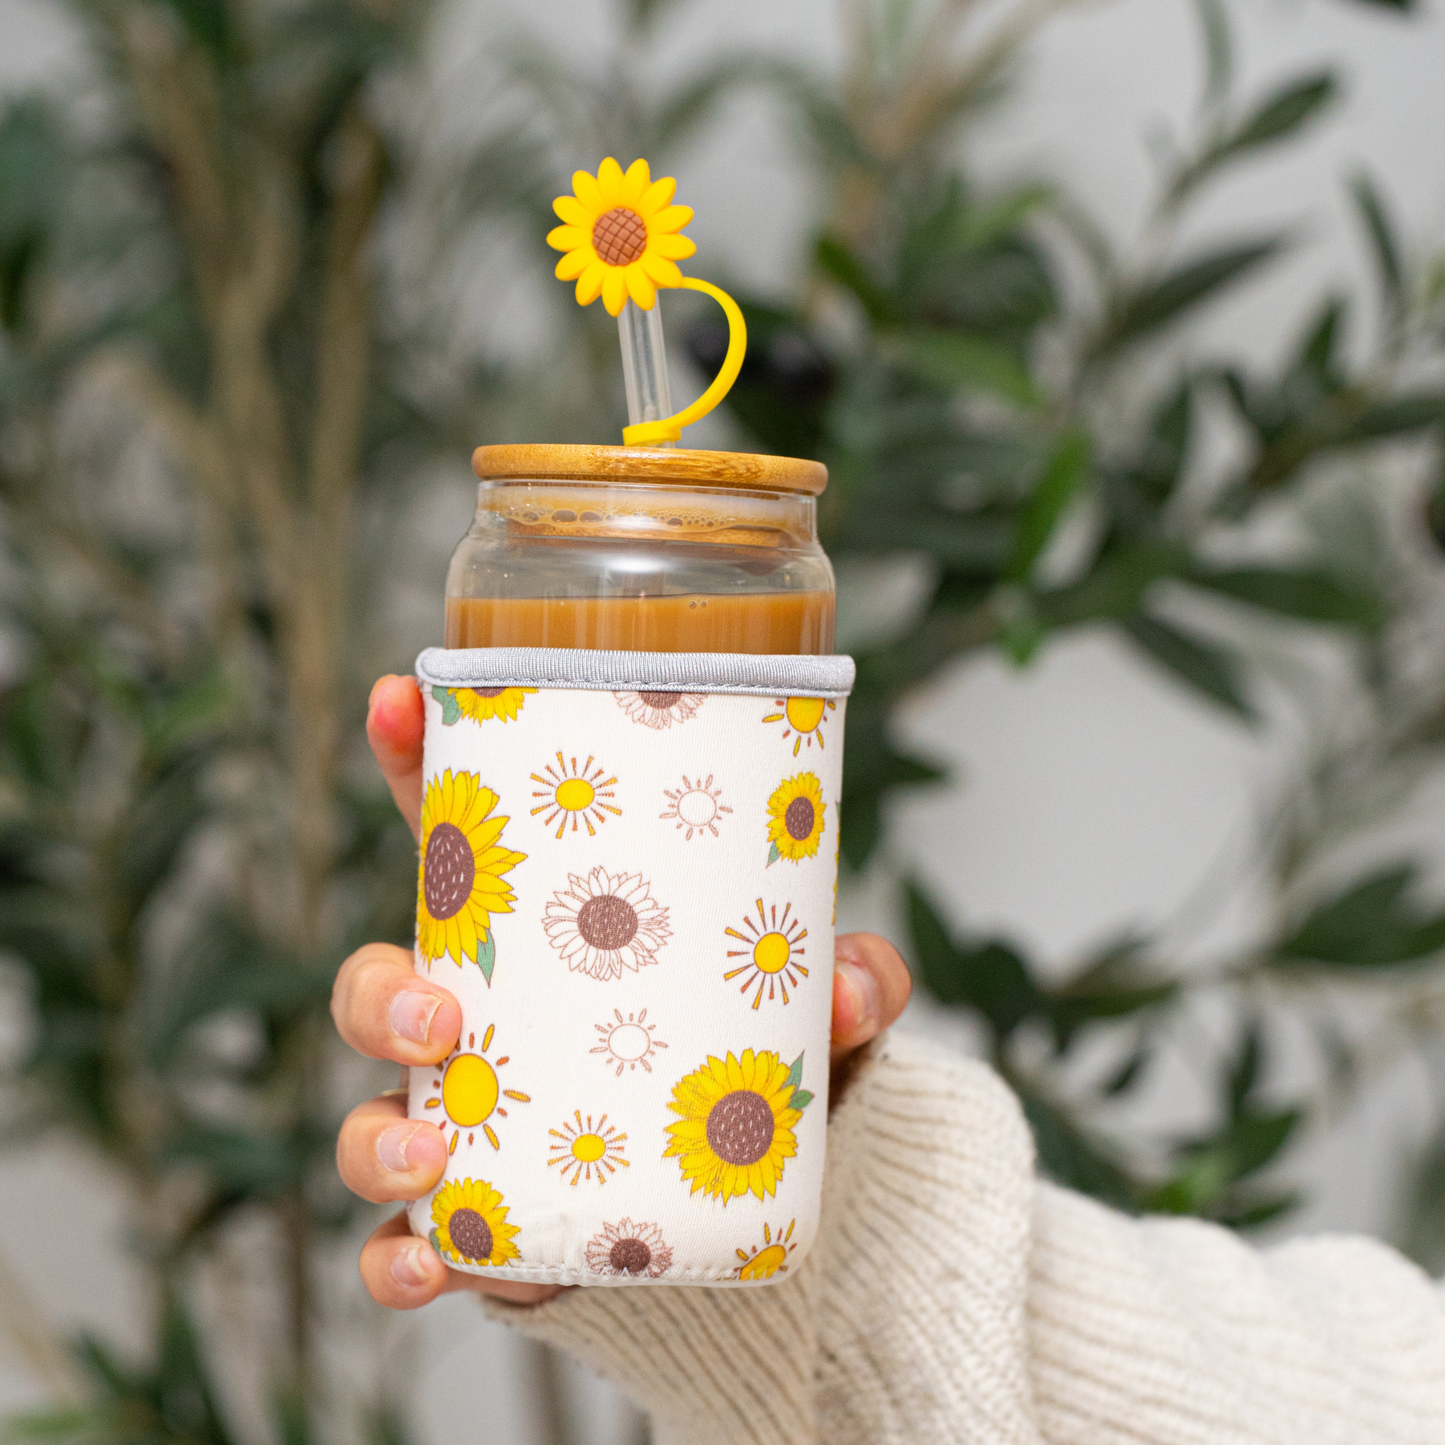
x=864 y=988
x=411 y=1014
x=407 y=1267
x=391 y=1148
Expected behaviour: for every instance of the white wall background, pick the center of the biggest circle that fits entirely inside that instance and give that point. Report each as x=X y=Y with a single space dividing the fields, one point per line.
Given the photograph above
x=1090 y=796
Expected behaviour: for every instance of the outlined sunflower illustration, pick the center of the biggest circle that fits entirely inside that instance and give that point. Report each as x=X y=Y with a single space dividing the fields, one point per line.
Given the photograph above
x=629 y=1247
x=734 y=1130
x=763 y=1262
x=802 y=719
x=481 y=704
x=471 y=1224
x=469 y=1091
x=660 y=709
x=588 y=1149
x=772 y=947
x=569 y=792
x=620 y=235
x=627 y=1042
x=606 y=924
x=696 y=806
x=459 y=879
x=795 y=818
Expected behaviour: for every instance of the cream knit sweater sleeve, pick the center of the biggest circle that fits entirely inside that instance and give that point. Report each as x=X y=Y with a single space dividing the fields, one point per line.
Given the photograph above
x=951 y=1296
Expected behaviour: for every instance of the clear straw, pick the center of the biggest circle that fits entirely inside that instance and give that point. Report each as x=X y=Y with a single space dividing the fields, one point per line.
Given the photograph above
x=644 y=364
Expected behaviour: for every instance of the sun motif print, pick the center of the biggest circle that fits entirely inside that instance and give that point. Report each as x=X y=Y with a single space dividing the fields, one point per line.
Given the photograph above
x=570 y=793
x=471 y=1224
x=459 y=880
x=628 y=1247
x=588 y=1151
x=802 y=719
x=627 y=1042
x=660 y=709
x=733 y=1133
x=481 y=704
x=795 y=819
x=772 y=948
x=763 y=1262
x=695 y=806
x=606 y=924
x=469 y=1091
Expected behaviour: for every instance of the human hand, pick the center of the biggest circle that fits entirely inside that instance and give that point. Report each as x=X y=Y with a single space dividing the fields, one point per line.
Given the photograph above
x=385 y=1010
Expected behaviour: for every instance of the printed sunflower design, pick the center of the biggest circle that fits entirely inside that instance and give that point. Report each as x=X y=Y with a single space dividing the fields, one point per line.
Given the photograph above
x=660 y=709
x=588 y=1149
x=627 y=1042
x=795 y=818
x=481 y=704
x=772 y=948
x=471 y=1224
x=734 y=1130
x=619 y=235
x=606 y=922
x=837 y=855
x=569 y=792
x=769 y=1259
x=802 y=719
x=459 y=881
x=629 y=1247
x=469 y=1092
x=696 y=806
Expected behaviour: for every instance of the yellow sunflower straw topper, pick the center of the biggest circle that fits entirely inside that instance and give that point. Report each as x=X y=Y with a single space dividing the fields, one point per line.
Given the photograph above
x=621 y=239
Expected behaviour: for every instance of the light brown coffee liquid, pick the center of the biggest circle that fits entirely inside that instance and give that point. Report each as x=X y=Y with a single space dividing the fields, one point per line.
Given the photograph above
x=793 y=622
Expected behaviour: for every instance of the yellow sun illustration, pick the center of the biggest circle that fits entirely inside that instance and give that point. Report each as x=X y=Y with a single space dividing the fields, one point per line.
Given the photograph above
x=696 y=806
x=469 y=1092
x=471 y=1224
x=627 y=1042
x=619 y=234
x=587 y=1148
x=772 y=952
x=481 y=704
x=734 y=1130
x=572 y=792
x=459 y=881
x=802 y=719
x=772 y=1258
x=795 y=813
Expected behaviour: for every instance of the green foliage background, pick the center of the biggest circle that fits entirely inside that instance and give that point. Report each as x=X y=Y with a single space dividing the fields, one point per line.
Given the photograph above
x=229 y=361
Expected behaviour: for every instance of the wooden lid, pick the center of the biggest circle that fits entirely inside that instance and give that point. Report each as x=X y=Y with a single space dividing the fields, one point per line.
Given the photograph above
x=746 y=470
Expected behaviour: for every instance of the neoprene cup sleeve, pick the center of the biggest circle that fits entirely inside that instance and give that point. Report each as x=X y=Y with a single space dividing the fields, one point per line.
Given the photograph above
x=628 y=877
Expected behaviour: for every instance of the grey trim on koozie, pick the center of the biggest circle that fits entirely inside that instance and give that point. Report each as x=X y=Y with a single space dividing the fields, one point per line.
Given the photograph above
x=739 y=672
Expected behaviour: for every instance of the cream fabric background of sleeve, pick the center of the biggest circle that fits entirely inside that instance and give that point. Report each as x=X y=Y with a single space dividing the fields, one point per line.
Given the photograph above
x=679 y=820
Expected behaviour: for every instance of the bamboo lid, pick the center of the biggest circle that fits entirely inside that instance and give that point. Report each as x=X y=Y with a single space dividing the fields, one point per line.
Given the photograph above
x=749 y=471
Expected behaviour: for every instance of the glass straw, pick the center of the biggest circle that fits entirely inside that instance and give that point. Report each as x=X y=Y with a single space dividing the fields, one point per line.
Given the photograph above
x=644 y=364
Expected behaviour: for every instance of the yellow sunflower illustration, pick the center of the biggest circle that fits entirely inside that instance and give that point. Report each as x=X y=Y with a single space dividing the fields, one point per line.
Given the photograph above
x=763 y=1262
x=459 y=883
x=481 y=704
x=795 y=813
x=734 y=1130
x=471 y=1224
x=619 y=233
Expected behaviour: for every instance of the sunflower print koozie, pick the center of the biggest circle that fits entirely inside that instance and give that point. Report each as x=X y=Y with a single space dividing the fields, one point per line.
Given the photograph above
x=627 y=875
